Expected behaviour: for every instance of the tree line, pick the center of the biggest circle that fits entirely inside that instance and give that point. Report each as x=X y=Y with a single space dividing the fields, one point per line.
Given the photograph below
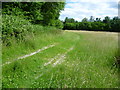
x=21 y=18
x=107 y=24
x=45 y=13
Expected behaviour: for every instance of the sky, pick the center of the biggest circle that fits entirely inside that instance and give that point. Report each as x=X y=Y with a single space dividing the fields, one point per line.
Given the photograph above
x=79 y=9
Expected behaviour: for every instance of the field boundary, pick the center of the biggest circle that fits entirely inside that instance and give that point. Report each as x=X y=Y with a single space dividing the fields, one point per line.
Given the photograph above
x=85 y=31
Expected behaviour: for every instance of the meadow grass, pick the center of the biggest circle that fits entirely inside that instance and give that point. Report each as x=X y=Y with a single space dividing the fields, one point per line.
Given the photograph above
x=88 y=65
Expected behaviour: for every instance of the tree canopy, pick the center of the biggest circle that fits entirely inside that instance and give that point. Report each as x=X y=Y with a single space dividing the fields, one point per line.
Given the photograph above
x=45 y=13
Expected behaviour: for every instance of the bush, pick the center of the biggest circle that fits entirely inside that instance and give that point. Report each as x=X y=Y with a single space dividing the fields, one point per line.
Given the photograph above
x=13 y=26
x=59 y=24
x=56 y=23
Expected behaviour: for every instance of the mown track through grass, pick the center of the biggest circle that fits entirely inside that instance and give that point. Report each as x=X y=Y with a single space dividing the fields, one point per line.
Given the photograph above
x=28 y=55
x=88 y=65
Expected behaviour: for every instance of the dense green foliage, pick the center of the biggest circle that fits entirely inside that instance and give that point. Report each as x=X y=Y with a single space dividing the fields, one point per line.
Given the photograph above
x=107 y=24
x=14 y=26
x=21 y=18
x=18 y=28
x=36 y=12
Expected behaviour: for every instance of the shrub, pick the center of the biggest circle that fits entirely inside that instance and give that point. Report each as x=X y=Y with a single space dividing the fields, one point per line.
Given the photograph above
x=13 y=26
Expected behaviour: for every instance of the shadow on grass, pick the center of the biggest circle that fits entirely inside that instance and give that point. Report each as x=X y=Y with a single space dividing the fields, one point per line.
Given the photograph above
x=118 y=66
x=117 y=62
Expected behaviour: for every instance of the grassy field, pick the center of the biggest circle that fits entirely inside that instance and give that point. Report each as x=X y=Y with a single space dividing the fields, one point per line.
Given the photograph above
x=77 y=60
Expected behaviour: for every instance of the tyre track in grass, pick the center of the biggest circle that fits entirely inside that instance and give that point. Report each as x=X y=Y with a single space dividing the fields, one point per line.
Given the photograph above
x=51 y=60
x=62 y=57
x=59 y=59
x=31 y=54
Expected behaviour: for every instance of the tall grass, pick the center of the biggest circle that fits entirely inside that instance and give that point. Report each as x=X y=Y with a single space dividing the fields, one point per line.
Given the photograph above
x=88 y=65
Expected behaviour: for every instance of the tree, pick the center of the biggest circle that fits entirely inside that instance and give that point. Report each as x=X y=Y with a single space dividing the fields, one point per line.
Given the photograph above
x=51 y=11
x=69 y=20
x=84 y=20
x=36 y=12
x=66 y=20
x=98 y=20
x=91 y=19
x=106 y=19
x=115 y=24
x=28 y=10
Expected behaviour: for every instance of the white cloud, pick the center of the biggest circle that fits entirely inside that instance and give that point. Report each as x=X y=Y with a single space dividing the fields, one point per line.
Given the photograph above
x=79 y=10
